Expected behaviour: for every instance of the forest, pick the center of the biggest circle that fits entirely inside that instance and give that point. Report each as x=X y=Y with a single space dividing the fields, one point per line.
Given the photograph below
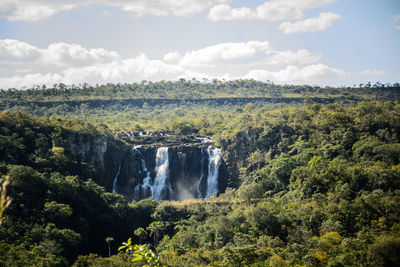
x=310 y=182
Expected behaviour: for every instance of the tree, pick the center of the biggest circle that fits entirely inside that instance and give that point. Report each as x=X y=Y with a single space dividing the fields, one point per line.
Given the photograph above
x=108 y=241
x=5 y=200
x=141 y=254
x=384 y=252
x=249 y=191
x=141 y=233
x=277 y=261
x=155 y=229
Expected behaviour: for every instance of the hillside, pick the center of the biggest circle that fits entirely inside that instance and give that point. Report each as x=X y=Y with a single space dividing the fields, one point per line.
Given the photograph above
x=160 y=106
x=310 y=183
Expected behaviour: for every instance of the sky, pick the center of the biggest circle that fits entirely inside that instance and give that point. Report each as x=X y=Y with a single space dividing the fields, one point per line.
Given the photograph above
x=314 y=42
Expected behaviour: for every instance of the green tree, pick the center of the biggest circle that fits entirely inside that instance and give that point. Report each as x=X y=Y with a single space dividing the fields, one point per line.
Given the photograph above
x=155 y=229
x=385 y=252
x=141 y=233
x=249 y=191
x=141 y=254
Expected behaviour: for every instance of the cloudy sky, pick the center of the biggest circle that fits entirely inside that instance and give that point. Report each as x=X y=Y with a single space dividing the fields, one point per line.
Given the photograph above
x=323 y=42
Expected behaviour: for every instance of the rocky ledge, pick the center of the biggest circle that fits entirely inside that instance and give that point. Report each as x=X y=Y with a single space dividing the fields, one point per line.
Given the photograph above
x=160 y=139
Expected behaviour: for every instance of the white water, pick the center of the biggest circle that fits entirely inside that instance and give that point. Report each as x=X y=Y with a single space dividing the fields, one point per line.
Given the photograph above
x=200 y=181
x=160 y=187
x=204 y=140
x=146 y=187
x=214 y=161
x=115 y=183
x=161 y=182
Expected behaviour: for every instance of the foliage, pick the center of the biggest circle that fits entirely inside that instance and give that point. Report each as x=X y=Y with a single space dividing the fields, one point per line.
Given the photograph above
x=317 y=185
x=57 y=210
x=5 y=200
x=141 y=254
x=141 y=233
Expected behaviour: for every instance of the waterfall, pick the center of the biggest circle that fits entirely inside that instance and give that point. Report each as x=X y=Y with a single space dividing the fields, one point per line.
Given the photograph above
x=142 y=190
x=155 y=177
x=161 y=182
x=115 y=183
x=200 y=181
x=214 y=161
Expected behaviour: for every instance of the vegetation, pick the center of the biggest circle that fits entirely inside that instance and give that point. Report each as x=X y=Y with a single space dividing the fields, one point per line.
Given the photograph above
x=5 y=200
x=310 y=184
x=142 y=254
x=178 y=106
x=195 y=89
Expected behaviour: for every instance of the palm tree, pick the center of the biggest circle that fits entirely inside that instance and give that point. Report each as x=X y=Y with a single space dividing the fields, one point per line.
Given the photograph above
x=141 y=233
x=108 y=241
x=155 y=229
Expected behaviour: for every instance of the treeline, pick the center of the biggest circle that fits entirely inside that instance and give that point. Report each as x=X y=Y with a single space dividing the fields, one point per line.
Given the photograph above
x=159 y=105
x=317 y=185
x=57 y=211
x=194 y=89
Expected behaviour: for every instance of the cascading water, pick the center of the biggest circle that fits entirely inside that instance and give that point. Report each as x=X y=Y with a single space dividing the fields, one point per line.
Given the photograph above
x=200 y=181
x=142 y=190
x=214 y=161
x=115 y=183
x=170 y=173
x=162 y=188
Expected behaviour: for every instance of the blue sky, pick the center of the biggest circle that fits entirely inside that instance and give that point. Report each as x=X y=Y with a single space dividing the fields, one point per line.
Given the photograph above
x=323 y=42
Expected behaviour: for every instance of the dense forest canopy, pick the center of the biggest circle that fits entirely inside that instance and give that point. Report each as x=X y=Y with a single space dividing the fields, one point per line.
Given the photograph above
x=194 y=89
x=311 y=183
x=158 y=105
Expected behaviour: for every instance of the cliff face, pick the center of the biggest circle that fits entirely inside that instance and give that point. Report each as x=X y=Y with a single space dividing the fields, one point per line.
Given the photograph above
x=237 y=150
x=133 y=171
x=184 y=171
x=101 y=153
x=192 y=169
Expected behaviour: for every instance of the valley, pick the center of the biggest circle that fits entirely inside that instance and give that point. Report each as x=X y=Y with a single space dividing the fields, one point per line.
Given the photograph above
x=283 y=183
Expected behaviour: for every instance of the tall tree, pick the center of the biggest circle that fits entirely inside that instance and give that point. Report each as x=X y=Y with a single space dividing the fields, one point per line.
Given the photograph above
x=141 y=233
x=155 y=229
x=108 y=241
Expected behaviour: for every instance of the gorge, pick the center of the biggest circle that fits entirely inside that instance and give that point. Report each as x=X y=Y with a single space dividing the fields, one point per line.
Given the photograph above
x=171 y=173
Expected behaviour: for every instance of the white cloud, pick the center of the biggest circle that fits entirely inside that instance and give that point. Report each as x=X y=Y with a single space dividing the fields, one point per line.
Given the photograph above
x=34 y=10
x=372 y=72
x=7 y=7
x=272 y=10
x=19 y=81
x=69 y=54
x=316 y=73
x=137 y=68
x=146 y=67
x=398 y=28
x=10 y=49
x=172 y=56
x=56 y=54
x=320 y=23
x=300 y=57
x=182 y=8
x=248 y=53
x=73 y=63
x=225 y=51
x=225 y=12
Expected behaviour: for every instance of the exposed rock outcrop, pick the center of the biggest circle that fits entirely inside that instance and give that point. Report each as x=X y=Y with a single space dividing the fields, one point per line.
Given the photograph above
x=125 y=167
